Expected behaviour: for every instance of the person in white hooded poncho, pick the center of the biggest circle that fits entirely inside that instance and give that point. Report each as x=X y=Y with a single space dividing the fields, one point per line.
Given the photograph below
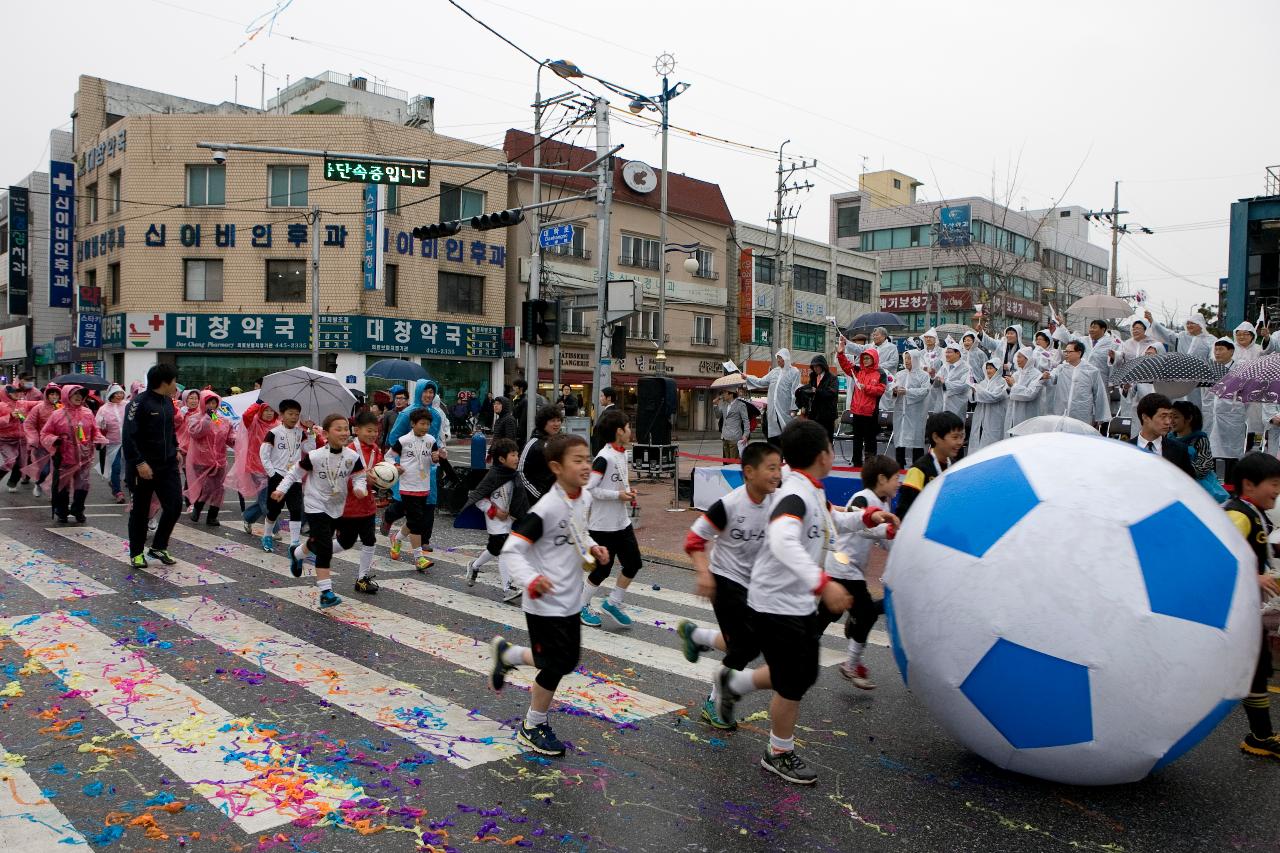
x=1229 y=430
x=1246 y=343
x=991 y=412
x=931 y=361
x=1027 y=397
x=1195 y=342
x=782 y=382
x=1003 y=350
x=1045 y=345
x=910 y=390
x=1080 y=392
x=1100 y=345
x=973 y=352
x=956 y=380
x=1136 y=346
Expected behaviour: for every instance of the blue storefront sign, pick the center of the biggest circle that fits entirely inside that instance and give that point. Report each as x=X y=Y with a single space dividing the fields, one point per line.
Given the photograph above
x=954 y=226
x=62 y=232
x=372 y=251
x=89 y=330
x=19 y=249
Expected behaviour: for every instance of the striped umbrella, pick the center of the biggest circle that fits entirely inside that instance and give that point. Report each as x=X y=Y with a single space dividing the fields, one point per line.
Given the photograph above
x=1252 y=382
x=1168 y=367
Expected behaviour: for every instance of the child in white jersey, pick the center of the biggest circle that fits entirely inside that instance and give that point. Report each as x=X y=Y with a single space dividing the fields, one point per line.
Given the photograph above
x=612 y=497
x=497 y=497
x=545 y=555
x=412 y=454
x=737 y=524
x=281 y=449
x=880 y=477
x=324 y=473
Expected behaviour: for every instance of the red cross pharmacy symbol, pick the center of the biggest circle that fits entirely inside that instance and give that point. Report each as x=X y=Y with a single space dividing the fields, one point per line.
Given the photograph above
x=155 y=322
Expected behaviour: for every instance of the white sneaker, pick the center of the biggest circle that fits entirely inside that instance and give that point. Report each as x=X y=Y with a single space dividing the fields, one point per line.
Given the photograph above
x=36 y=491
x=512 y=593
x=11 y=489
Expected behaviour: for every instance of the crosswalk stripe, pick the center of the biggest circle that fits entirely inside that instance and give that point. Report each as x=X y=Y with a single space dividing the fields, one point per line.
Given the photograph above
x=594 y=695
x=111 y=545
x=28 y=821
x=253 y=555
x=45 y=575
x=434 y=724
x=201 y=742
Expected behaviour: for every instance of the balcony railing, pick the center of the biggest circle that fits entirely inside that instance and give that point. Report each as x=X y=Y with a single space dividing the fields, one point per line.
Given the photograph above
x=643 y=263
x=709 y=274
x=575 y=254
x=704 y=341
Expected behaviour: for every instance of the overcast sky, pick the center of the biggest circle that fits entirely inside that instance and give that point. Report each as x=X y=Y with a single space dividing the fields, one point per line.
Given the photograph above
x=1171 y=98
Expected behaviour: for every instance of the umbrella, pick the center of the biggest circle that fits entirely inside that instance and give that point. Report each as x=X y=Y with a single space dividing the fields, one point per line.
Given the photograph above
x=1252 y=382
x=88 y=380
x=954 y=330
x=1168 y=367
x=733 y=380
x=320 y=394
x=1053 y=423
x=867 y=322
x=1100 y=306
x=397 y=369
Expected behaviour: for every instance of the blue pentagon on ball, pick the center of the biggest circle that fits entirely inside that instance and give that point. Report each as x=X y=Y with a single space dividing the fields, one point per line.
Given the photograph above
x=895 y=637
x=1188 y=572
x=1033 y=699
x=979 y=504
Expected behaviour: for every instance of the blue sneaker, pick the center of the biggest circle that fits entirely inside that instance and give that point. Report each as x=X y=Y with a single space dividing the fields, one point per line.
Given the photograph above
x=295 y=565
x=712 y=718
x=616 y=613
x=329 y=598
x=268 y=542
x=541 y=740
x=684 y=630
x=589 y=617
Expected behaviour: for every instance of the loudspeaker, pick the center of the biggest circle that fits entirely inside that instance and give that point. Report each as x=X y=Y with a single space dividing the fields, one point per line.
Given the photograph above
x=655 y=406
x=618 y=343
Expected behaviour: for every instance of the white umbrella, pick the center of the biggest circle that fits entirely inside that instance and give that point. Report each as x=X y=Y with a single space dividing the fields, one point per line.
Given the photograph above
x=319 y=394
x=733 y=380
x=1053 y=423
x=1100 y=306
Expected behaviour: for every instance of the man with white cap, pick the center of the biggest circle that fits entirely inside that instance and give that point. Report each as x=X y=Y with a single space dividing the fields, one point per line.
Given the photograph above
x=1195 y=342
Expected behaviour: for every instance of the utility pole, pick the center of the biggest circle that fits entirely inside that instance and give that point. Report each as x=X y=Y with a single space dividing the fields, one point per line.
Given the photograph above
x=315 y=287
x=535 y=266
x=781 y=292
x=1113 y=217
x=604 y=198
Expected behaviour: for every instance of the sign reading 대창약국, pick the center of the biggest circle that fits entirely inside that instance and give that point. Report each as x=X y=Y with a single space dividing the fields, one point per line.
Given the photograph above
x=954 y=225
x=366 y=172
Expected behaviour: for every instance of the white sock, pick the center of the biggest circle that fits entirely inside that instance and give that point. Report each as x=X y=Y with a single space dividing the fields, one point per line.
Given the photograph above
x=504 y=574
x=715 y=690
x=855 y=652
x=299 y=550
x=535 y=718
x=295 y=531
x=417 y=552
x=616 y=594
x=484 y=559
x=324 y=585
x=705 y=637
x=514 y=656
x=337 y=549
x=366 y=560
x=740 y=682
x=781 y=745
x=587 y=591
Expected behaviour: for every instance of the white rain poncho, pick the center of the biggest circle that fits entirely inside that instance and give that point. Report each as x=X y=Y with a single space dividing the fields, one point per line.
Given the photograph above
x=909 y=407
x=990 y=413
x=1228 y=429
x=1002 y=351
x=1197 y=346
x=956 y=381
x=1080 y=393
x=1027 y=395
x=782 y=383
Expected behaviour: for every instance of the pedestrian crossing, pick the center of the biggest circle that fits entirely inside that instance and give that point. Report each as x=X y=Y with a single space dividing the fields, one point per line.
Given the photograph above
x=28 y=820
x=49 y=577
x=112 y=546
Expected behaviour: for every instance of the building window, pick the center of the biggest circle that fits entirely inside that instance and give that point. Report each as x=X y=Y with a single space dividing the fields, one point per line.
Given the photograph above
x=640 y=252
x=702 y=330
x=574 y=249
x=764 y=269
x=855 y=289
x=113 y=283
x=204 y=281
x=575 y=321
x=91 y=199
x=288 y=186
x=460 y=203
x=764 y=330
x=460 y=294
x=809 y=336
x=113 y=190
x=706 y=263
x=390 y=285
x=91 y=279
x=286 y=281
x=643 y=324
x=809 y=279
x=207 y=186
x=847 y=221
x=393 y=198
x=4 y=237
x=897 y=183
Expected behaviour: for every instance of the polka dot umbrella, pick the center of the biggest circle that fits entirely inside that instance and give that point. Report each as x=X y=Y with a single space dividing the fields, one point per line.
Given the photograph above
x=1252 y=382
x=1168 y=367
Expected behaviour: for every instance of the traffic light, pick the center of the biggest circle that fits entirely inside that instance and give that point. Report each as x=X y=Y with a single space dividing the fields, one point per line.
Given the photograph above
x=540 y=321
x=500 y=219
x=440 y=229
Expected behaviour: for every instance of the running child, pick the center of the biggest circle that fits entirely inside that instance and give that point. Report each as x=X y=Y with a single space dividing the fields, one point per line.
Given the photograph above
x=612 y=498
x=359 y=516
x=282 y=448
x=737 y=524
x=1256 y=481
x=788 y=582
x=502 y=500
x=944 y=435
x=324 y=474
x=412 y=453
x=545 y=556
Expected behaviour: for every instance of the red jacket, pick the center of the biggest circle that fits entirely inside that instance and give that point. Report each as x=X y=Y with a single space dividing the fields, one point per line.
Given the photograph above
x=870 y=386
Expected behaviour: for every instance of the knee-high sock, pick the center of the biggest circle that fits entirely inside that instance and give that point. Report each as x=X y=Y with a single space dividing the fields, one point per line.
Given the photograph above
x=295 y=531
x=366 y=560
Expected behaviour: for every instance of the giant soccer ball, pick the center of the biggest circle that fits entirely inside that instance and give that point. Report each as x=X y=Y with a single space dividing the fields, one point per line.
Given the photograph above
x=1073 y=608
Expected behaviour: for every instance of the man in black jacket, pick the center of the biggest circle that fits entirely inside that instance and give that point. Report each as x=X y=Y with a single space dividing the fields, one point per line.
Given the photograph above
x=150 y=447
x=1155 y=415
x=823 y=400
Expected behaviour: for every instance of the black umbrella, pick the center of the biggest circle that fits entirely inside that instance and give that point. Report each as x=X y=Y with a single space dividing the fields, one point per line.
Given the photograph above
x=397 y=368
x=88 y=380
x=1168 y=367
x=867 y=322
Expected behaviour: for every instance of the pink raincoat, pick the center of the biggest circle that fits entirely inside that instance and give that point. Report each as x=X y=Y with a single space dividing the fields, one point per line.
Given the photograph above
x=73 y=435
x=180 y=415
x=247 y=476
x=11 y=438
x=37 y=416
x=207 y=441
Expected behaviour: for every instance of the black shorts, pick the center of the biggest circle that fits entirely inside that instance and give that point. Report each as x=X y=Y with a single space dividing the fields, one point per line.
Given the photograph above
x=790 y=645
x=555 y=641
x=363 y=528
x=292 y=499
x=623 y=549
x=1262 y=674
x=496 y=541
x=415 y=513
x=734 y=618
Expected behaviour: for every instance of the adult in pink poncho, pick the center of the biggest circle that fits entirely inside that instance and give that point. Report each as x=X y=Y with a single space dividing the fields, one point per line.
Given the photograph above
x=111 y=422
x=72 y=437
x=208 y=437
x=12 y=441
x=247 y=475
x=39 y=460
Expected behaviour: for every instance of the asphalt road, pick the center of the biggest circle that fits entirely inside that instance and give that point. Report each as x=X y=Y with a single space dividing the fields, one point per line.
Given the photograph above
x=217 y=709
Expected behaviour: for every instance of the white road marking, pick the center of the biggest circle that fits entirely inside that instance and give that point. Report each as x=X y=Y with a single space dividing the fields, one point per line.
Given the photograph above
x=47 y=576
x=111 y=545
x=28 y=821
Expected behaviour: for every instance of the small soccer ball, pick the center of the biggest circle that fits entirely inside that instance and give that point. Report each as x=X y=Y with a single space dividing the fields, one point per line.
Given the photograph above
x=1073 y=608
x=384 y=475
